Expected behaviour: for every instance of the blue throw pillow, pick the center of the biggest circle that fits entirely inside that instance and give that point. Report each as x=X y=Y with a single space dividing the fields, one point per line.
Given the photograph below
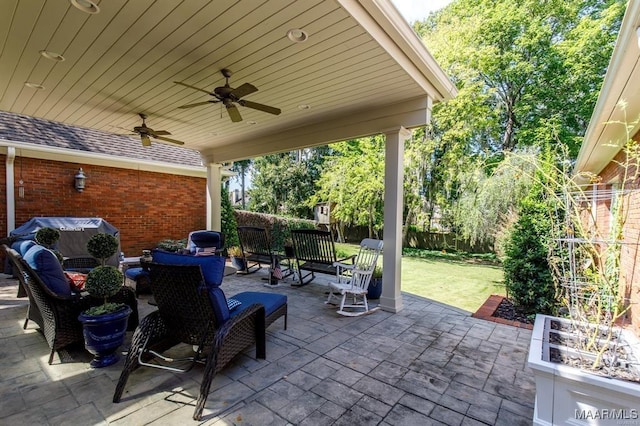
x=23 y=246
x=46 y=264
x=233 y=303
x=212 y=266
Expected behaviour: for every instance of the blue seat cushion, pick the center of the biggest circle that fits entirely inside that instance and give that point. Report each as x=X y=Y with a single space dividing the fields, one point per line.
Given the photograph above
x=135 y=273
x=271 y=301
x=48 y=267
x=212 y=266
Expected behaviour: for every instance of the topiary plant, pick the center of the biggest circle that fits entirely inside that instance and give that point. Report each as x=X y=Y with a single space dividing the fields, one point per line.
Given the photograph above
x=102 y=246
x=103 y=281
x=47 y=237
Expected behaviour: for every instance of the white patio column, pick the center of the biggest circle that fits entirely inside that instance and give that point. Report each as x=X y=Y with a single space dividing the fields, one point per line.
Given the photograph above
x=10 y=188
x=391 y=299
x=214 y=196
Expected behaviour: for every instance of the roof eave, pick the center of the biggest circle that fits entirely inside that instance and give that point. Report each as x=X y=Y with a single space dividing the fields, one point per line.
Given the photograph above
x=611 y=126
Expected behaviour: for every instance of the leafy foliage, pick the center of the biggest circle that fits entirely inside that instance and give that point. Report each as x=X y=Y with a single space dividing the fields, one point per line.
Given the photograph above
x=353 y=178
x=102 y=246
x=104 y=282
x=172 y=245
x=527 y=272
x=47 y=236
x=282 y=183
x=229 y=224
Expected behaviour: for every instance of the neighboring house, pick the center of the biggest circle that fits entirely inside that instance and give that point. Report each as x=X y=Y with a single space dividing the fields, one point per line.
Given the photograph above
x=615 y=119
x=148 y=193
x=235 y=196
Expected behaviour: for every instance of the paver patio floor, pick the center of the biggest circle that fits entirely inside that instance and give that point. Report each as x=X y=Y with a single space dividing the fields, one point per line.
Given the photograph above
x=428 y=364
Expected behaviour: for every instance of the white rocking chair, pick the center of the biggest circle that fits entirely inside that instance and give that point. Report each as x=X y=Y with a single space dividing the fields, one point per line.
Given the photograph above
x=353 y=280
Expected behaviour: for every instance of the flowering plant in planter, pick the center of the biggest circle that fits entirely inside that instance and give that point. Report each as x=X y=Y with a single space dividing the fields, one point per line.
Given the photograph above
x=586 y=361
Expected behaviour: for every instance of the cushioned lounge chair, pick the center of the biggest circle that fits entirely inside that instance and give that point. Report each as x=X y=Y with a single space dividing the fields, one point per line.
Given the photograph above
x=187 y=313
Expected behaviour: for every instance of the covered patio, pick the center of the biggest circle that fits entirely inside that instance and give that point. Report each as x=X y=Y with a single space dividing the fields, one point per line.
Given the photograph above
x=334 y=70
x=428 y=364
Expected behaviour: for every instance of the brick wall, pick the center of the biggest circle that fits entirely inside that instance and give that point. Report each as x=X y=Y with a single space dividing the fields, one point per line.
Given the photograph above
x=630 y=257
x=146 y=207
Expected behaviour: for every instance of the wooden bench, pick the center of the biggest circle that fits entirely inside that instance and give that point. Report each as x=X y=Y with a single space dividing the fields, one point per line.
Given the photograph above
x=314 y=251
x=256 y=246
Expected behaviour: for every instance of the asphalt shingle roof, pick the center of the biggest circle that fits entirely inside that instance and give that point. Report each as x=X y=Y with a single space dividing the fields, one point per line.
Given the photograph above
x=23 y=128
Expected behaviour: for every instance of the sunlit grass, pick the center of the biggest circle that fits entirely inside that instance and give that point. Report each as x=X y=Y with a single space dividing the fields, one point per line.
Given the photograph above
x=462 y=283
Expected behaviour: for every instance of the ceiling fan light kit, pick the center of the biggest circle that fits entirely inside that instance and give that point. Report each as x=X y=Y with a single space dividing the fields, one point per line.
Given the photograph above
x=230 y=96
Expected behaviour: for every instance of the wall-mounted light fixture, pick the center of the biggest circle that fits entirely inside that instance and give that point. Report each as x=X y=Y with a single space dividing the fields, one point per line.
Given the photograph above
x=638 y=35
x=80 y=179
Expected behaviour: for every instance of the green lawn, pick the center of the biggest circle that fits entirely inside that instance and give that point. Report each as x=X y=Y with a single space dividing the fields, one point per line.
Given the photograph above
x=460 y=283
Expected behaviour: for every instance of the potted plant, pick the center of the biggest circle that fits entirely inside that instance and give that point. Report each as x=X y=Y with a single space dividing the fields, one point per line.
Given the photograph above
x=237 y=258
x=375 y=285
x=585 y=365
x=104 y=326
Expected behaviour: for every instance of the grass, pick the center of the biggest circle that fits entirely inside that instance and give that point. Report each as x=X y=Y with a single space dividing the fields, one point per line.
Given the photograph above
x=460 y=280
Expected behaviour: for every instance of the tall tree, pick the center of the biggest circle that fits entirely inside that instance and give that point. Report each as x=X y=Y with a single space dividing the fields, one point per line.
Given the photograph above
x=353 y=178
x=525 y=69
x=530 y=63
x=282 y=183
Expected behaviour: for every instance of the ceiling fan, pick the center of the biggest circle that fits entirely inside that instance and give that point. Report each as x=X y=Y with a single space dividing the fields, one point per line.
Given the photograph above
x=145 y=133
x=230 y=96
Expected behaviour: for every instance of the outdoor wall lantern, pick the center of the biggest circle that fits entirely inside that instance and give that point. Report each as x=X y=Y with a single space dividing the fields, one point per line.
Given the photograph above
x=80 y=179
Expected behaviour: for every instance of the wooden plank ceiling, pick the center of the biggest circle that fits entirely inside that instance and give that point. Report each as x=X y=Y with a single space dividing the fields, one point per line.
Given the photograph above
x=124 y=60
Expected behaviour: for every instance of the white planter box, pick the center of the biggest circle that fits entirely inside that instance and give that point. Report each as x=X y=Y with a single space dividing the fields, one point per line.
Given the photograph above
x=566 y=395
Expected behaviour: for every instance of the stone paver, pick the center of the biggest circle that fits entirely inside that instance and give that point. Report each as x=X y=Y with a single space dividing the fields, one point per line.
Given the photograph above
x=430 y=364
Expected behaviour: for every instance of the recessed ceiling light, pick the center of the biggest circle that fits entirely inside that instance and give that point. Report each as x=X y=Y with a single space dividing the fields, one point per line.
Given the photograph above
x=304 y=106
x=86 y=6
x=53 y=56
x=297 y=35
x=252 y=123
x=34 y=85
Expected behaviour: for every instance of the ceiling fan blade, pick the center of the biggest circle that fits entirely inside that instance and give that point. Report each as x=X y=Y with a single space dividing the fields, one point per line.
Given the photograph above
x=233 y=112
x=159 y=132
x=260 y=107
x=244 y=90
x=198 y=104
x=192 y=87
x=145 y=140
x=162 y=138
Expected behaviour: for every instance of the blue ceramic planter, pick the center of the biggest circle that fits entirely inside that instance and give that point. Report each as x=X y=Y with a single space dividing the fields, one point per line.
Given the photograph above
x=103 y=335
x=374 y=291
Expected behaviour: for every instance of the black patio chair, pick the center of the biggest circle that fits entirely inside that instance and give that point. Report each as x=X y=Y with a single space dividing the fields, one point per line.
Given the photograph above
x=33 y=313
x=59 y=314
x=186 y=315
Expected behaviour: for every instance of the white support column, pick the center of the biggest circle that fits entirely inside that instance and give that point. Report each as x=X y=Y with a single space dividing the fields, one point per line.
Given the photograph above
x=214 y=197
x=10 y=188
x=391 y=299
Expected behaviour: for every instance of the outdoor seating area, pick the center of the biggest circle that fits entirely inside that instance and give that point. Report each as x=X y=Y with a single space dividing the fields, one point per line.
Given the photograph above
x=428 y=364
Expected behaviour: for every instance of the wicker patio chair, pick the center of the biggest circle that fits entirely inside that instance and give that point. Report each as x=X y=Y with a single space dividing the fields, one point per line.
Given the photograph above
x=33 y=313
x=59 y=314
x=186 y=315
